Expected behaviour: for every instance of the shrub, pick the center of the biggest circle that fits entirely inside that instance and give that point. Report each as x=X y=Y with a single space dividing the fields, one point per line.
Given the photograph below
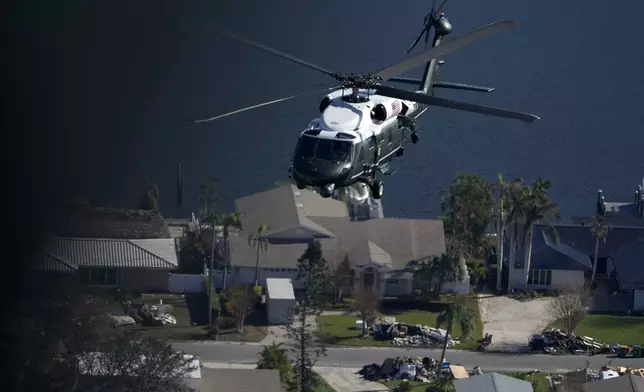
x=258 y=290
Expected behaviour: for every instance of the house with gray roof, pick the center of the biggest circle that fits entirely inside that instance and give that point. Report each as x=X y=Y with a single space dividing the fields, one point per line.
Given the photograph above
x=620 y=261
x=129 y=264
x=626 y=383
x=492 y=382
x=378 y=250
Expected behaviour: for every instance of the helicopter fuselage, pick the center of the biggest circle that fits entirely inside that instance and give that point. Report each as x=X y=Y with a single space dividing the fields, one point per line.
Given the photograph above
x=355 y=136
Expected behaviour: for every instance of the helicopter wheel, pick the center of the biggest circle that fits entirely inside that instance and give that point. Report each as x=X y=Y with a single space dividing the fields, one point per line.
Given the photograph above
x=299 y=185
x=377 y=189
x=414 y=138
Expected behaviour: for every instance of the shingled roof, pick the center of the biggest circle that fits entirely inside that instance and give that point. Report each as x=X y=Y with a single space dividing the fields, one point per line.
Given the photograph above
x=67 y=254
x=287 y=211
x=492 y=382
x=547 y=253
x=297 y=215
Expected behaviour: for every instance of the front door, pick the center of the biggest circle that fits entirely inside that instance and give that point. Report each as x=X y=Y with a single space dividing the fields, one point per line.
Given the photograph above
x=369 y=279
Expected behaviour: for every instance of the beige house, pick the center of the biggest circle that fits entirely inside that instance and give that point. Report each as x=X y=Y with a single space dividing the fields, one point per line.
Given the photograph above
x=379 y=250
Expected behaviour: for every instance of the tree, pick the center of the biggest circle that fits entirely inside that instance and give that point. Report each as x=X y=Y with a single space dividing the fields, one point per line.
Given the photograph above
x=438 y=271
x=367 y=306
x=599 y=227
x=276 y=357
x=208 y=200
x=467 y=212
x=339 y=274
x=459 y=312
x=570 y=306
x=240 y=301
x=259 y=241
x=228 y=221
x=538 y=208
x=517 y=197
x=500 y=196
x=307 y=347
x=131 y=362
x=149 y=199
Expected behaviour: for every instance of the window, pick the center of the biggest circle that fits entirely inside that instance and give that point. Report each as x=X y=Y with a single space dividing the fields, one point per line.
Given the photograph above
x=306 y=147
x=540 y=277
x=103 y=276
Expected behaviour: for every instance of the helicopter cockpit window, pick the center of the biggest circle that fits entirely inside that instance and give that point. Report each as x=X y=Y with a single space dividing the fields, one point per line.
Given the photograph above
x=306 y=147
x=333 y=150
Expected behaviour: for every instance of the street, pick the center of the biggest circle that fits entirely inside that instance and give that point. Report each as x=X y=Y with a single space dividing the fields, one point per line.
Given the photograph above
x=360 y=356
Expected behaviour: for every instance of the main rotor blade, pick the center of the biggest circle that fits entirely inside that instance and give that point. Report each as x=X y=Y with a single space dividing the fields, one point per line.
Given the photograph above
x=457 y=105
x=444 y=48
x=262 y=104
x=277 y=53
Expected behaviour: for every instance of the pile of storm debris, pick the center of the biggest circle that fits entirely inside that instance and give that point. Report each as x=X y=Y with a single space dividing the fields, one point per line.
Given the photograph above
x=407 y=335
x=414 y=369
x=556 y=341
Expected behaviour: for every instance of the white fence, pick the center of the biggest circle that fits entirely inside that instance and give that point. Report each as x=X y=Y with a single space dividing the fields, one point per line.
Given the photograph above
x=180 y=283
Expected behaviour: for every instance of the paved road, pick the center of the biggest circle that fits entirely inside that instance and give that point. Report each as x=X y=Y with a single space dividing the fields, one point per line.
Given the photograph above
x=357 y=357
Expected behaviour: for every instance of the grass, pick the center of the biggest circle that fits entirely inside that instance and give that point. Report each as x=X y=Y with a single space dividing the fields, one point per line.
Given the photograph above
x=611 y=329
x=340 y=330
x=319 y=385
x=539 y=382
x=192 y=321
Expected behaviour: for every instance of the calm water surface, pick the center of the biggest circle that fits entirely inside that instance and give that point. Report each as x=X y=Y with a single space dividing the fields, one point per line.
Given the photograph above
x=127 y=78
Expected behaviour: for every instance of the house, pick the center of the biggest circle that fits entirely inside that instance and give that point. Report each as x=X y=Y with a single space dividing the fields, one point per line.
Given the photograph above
x=620 y=262
x=237 y=380
x=129 y=264
x=492 y=382
x=379 y=250
x=626 y=383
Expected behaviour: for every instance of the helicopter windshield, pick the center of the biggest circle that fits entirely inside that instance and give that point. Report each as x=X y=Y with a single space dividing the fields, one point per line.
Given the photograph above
x=326 y=149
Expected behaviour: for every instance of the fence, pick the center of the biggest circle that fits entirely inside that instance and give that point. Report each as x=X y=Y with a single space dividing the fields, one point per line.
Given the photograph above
x=180 y=283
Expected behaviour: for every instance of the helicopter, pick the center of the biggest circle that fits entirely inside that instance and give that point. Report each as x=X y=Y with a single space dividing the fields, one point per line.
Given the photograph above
x=364 y=124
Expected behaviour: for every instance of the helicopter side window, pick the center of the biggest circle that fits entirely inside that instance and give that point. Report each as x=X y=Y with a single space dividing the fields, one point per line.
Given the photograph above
x=306 y=147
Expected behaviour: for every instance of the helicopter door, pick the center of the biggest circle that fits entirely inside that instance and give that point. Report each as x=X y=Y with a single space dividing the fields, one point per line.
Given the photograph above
x=373 y=150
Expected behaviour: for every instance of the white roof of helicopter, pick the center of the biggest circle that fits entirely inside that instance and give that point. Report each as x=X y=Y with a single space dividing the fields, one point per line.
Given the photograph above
x=352 y=118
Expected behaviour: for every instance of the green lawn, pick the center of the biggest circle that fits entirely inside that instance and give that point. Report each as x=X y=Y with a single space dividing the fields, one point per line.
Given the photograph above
x=612 y=329
x=541 y=384
x=340 y=330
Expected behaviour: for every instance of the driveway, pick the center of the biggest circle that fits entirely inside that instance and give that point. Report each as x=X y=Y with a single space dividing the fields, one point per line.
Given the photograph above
x=513 y=322
x=346 y=380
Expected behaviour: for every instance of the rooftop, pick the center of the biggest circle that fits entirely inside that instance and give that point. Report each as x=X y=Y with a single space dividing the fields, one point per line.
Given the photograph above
x=279 y=288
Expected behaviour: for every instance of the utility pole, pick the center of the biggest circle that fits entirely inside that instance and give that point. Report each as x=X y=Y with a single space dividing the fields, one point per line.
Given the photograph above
x=499 y=244
x=225 y=275
x=211 y=275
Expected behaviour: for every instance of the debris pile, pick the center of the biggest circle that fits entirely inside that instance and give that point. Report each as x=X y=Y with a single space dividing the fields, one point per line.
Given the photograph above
x=414 y=369
x=407 y=335
x=556 y=341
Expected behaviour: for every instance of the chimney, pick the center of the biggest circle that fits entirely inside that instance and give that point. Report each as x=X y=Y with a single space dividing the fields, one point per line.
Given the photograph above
x=601 y=207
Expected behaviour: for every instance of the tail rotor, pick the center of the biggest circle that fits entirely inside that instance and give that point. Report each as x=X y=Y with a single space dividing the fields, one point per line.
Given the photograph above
x=431 y=19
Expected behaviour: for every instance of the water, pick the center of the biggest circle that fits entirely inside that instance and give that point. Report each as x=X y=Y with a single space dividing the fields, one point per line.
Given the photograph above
x=125 y=79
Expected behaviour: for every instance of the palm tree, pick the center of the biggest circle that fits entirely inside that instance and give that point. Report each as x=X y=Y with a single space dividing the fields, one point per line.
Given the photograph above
x=517 y=197
x=460 y=313
x=539 y=208
x=599 y=228
x=258 y=241
x=149 y=200
x=499 y=189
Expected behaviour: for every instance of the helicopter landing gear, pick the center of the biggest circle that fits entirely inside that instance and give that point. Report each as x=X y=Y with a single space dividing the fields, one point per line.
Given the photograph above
x=377 y=189
x=327 y=190
x=299 y=185
x=414 y=137
x=400 y=152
